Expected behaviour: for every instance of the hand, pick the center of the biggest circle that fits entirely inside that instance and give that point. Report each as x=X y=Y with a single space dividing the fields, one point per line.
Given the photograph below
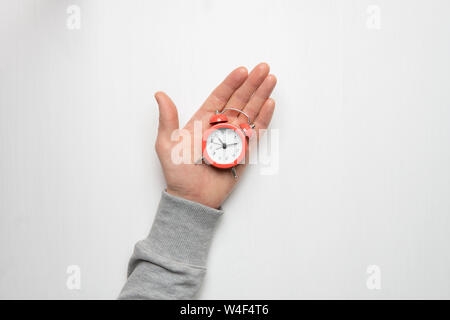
x=202 y=183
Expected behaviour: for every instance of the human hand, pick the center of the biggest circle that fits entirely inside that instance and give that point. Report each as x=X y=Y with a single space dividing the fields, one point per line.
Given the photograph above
x=205 y=184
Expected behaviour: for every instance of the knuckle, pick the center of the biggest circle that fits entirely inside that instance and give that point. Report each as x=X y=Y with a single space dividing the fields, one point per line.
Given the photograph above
x=160 y=145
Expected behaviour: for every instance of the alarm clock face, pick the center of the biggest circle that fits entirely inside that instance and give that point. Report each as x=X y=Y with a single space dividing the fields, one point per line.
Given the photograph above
x=224 y=146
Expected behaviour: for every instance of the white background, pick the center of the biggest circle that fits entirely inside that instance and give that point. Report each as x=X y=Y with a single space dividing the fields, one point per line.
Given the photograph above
x=363 y=117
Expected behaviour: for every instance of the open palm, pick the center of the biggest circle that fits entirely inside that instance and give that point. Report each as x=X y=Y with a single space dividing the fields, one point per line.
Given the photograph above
x=249 y=92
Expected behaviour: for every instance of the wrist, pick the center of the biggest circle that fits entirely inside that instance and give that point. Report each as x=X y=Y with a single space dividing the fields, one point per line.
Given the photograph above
x=212 y=203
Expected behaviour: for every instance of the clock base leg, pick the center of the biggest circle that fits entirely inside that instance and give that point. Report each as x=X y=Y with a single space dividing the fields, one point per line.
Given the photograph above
x=233 y=170
x=199 y=161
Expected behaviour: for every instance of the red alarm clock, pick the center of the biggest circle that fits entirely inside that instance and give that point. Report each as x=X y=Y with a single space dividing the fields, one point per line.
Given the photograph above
x=224 y=144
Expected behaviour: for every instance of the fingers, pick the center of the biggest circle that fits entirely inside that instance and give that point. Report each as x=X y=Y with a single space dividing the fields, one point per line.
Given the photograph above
x=168 y=116
x=220 y=96
x=262 y=121
x=242 y=95
x=259 y=98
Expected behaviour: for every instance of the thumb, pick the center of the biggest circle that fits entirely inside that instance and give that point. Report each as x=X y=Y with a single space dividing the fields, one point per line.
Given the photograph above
x=168 y=115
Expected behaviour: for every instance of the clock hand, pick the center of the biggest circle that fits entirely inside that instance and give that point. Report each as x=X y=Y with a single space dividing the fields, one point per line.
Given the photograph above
x=224 y=145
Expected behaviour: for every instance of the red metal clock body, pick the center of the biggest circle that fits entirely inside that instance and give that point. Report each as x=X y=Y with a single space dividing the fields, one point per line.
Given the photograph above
x=224 y=144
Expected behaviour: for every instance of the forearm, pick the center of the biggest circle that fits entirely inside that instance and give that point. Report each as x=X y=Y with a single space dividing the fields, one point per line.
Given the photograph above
x=171 y=262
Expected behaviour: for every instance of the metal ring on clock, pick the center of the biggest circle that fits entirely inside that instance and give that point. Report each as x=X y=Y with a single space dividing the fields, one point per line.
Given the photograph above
x=238 y=110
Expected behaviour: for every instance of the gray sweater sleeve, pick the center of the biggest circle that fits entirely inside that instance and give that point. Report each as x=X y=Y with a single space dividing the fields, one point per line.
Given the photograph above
x=170 y=262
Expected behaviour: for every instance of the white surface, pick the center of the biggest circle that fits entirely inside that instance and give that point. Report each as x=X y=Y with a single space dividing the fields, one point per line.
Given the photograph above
x=363 y=118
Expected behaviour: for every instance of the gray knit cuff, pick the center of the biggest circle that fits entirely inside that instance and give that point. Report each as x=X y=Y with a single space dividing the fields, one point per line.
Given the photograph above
x=183 y=230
